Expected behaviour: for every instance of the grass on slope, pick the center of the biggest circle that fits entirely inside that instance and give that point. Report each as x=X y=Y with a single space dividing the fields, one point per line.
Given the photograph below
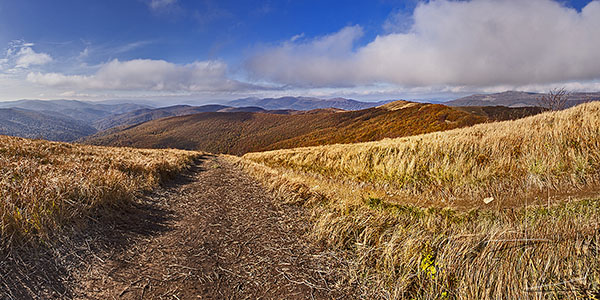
x=239 y=133
x=555 y=153
x=44 y=185
x=384 y=204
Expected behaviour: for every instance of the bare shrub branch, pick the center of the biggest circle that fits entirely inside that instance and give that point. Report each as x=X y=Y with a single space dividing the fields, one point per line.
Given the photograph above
x=555 y=99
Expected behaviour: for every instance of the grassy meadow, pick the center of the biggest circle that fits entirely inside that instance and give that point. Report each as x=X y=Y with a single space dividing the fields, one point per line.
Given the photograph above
x=44 y=185
x=505 y=210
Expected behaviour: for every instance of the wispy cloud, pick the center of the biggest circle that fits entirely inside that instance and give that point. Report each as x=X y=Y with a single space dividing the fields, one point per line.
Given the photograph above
x=158 y=5
x=450 y=43
x=130 y=46
x=20 y=55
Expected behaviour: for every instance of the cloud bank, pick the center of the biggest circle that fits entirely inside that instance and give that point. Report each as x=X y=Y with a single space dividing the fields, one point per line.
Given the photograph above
x=478 y=43
x=147 y=75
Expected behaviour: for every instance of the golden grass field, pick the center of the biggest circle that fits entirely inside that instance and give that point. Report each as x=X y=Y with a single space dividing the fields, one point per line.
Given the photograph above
x=410 y=212
x=556 y=153
x=44 y=185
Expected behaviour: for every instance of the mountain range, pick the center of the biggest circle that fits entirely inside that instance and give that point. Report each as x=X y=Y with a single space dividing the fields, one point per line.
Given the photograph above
x=36 y=125
x=242 y=132
x=69 y=120
x=304 y=103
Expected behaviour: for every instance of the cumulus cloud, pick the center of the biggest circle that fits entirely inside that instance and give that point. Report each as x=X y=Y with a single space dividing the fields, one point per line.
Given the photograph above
x=322 y=61
x=146 y=74
x=476 y=43
x=27 y=57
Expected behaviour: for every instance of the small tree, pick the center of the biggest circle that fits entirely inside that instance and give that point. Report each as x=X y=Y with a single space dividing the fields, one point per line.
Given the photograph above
x=555 y=99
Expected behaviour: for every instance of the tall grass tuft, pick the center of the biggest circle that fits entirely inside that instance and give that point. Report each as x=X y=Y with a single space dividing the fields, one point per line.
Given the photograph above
x=44 y=185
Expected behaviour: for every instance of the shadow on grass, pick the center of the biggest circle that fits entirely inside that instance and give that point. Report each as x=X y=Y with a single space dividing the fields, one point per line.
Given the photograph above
x=47 y=270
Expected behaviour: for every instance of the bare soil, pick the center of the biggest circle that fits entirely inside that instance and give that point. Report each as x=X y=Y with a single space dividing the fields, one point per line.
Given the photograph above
x=213 y=233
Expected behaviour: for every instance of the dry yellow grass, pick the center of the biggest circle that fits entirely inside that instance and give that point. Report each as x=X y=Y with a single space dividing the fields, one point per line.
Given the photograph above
x=554 y=153
x=385 y=204
x=44 y=185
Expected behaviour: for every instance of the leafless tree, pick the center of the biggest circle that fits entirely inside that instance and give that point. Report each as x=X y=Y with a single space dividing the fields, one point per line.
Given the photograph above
x=555 y=99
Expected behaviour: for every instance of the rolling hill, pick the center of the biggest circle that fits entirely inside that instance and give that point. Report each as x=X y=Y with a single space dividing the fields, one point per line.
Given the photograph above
x=241 y=132
x=32 y=124
x=149 y=114
x=56 y=120
x=517 y=99
x=79 y=110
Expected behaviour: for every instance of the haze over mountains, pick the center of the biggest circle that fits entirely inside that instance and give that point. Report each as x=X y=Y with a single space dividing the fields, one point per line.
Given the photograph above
x=36 y=125
x=55 y=120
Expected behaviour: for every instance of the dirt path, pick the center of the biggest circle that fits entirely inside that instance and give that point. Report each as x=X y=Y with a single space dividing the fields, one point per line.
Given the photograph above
x=221 y=237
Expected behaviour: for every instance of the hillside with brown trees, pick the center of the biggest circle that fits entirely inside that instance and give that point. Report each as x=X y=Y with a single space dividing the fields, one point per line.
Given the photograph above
x=242 y=132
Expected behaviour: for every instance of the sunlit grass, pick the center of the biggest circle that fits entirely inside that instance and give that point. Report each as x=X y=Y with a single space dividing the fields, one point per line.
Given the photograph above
x=44 y=185
x=410 y=214
x=551 y=153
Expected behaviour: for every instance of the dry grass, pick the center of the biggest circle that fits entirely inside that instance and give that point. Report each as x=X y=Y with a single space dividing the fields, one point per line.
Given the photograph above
x=44 y=185
x=553 y=153
x=385 y=205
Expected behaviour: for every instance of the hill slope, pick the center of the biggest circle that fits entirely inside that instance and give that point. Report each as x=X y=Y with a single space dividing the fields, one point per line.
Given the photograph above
x=78 y=110
x=241 y=132
x=470 y=213
x=149 y=114
x=32 y=124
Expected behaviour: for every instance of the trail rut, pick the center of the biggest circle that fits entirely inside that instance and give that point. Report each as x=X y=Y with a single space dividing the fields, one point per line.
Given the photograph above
x=222 y=237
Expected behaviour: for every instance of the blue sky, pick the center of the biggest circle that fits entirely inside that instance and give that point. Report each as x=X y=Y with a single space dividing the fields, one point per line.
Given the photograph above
x=207 y=50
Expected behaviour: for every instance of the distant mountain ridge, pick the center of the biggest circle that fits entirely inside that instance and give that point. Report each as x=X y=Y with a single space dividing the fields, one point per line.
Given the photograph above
x=518 y=99
x=56 y=120
x=149 y=114
x=78 y=110
x=242 y=132
x=37 y=125
x=305 y=103
x=70 y=120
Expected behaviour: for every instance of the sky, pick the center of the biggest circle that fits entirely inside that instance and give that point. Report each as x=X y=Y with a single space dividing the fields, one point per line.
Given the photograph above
x=214 y=50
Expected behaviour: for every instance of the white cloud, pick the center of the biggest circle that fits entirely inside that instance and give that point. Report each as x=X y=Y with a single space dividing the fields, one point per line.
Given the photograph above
x=146 y=74
x=322 y=61
x=474 y=44
x=20 y=55
x=27 y=57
